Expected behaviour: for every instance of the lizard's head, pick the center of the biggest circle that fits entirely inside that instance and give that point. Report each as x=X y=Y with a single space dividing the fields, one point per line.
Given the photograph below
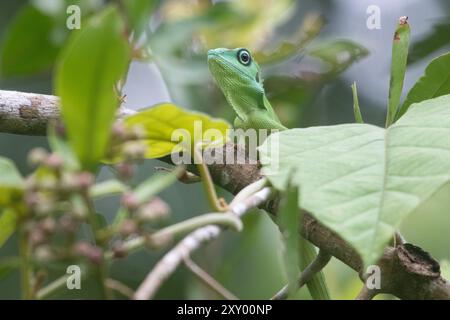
x=234 y=68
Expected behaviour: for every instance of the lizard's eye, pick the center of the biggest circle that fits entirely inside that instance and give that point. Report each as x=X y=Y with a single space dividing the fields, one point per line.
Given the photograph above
x=244 y=57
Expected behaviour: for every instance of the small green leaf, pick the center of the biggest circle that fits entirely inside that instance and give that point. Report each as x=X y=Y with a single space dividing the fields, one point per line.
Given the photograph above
x=339 y=54
x=360 y=180
x=100 y=220
x=139 y=12
x=60 y=146
x=11 y=182
x=149 y=188
x=398 y=68
x=8 y=223
x=107 y=188
x=156 y=183
x=288 y=220
x=434 y=83
x=309 y=29
x=164 y=120
x=7 y=266
x=356 y=110
x=95 y=58
x=30 y=44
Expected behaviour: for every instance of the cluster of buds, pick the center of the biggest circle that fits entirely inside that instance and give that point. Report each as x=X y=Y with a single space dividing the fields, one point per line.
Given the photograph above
x=126 y=146
x=51 y=213
x=92 y=253
x=151 y=211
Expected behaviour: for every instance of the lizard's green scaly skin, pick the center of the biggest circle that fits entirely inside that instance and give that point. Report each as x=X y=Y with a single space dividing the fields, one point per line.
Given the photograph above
x=238 y=76
x=242 y=86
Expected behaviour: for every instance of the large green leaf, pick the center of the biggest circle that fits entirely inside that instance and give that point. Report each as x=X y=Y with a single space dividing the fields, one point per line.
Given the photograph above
x=11 y=182
x=398 y=68
x=163 y=121
x=94 y=60
x=361 y=180
x=30 y=44
x=434 y=83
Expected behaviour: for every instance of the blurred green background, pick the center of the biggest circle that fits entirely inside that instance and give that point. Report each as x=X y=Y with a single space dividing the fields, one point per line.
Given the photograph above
x=308 y=84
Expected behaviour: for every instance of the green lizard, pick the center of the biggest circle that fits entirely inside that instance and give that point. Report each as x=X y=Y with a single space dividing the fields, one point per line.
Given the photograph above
x=238 y=76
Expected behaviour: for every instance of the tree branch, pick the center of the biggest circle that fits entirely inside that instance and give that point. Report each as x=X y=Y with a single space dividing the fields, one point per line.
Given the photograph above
x=171 y=260
x=407 y=271
x=29 y=113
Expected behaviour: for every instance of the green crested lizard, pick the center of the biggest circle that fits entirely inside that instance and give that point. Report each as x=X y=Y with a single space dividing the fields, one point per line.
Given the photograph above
x=239 y=78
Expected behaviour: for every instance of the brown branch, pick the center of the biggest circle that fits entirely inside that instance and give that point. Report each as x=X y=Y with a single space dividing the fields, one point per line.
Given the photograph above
x=26 y=113
x=366 y=294
x=407 y=271
x=29 y=113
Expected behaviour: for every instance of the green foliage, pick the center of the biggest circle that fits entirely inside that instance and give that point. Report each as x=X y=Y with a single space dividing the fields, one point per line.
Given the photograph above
x=95 y=58
x=356 y=110
x=61 y=147
x=431 y=41
x=360 y=180
x=11 y=183
x=434 y=83
x=8 y=223
x=398 y=69
x=138 y=12
x=445 y=269
x=308 y=31
x=162 y=121
x=11 y=190
x=288 y=221
x=7 y=266
x=19 y=55
x=155 y=184
x=339 y=54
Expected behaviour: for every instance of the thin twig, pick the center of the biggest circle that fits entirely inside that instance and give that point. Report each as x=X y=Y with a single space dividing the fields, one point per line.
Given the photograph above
x=208 y=279
x=119 y=287
x=366 y=294
x=316 y=266
x=26 y=270
x=168 y=264
x=207 y=181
